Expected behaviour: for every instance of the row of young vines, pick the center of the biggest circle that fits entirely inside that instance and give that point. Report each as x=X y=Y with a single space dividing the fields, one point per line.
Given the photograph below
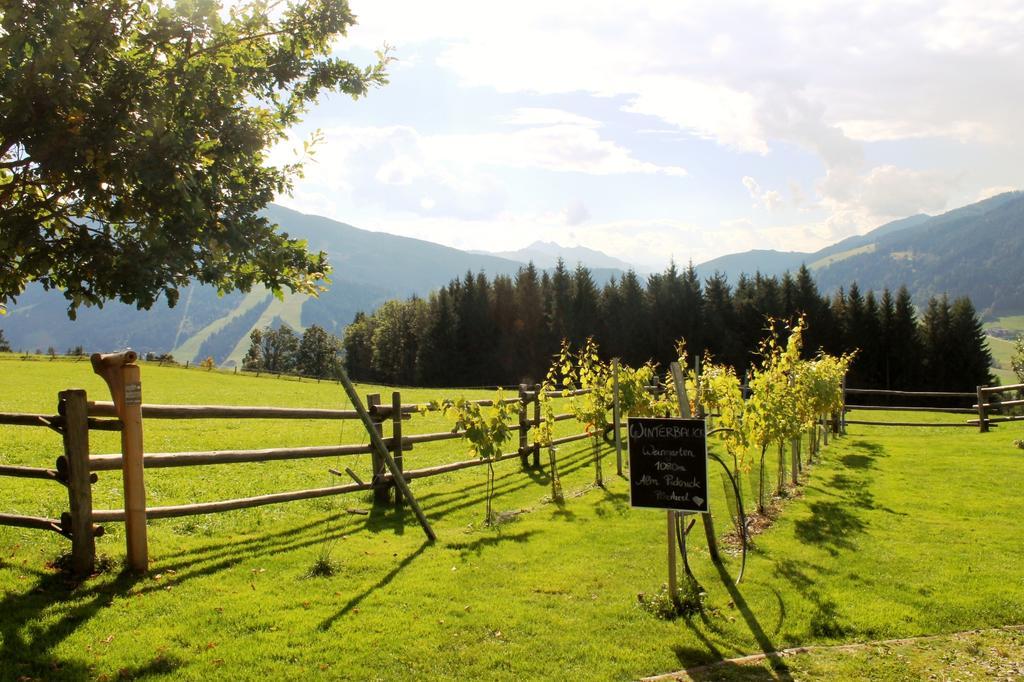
x=787 y=396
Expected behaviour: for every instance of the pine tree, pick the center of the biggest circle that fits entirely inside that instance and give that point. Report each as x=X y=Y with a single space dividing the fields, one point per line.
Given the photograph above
x=529 y=333
x=938 y=344
x=970 y=358
x=584 y=316
x=906 y=346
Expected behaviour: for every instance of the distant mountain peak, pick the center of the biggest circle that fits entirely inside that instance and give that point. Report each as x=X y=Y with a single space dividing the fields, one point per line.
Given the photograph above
x=545 y=254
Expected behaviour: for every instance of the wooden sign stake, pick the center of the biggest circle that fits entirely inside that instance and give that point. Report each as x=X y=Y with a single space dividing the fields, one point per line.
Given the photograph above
x=382 y=451
x=124 y=381
x=616 y=415
x=684 y=411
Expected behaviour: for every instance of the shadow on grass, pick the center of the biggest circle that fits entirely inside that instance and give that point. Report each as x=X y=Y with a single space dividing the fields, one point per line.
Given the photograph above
x=779 y=669
x=38 y=618
x=834 y=525
x=824 y=621
x=830 y=526
x=27 y=637
x=477 y=546
x=383 y=582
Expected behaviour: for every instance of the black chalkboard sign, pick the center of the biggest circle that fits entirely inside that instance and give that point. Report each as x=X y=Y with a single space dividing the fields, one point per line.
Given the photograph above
x=668 y=464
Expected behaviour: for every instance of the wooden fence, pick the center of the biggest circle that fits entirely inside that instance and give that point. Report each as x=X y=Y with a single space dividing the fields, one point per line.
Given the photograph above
x=77 y=468
x=988 y=401
x=904 y=396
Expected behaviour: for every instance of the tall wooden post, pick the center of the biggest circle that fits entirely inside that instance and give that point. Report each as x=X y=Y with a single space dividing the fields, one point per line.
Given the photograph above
x=616 y=415
x=794 y=446
x=673 y=579
x=684 y=411
x=396 y=438
x=380 y=490
x=842 y=410
x=536 y=424
x=982 y=417
x=524 y=428
x=74 y=408
x=123 y=378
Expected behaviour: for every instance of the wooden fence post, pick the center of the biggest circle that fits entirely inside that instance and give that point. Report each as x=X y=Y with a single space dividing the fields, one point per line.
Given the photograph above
x=382 y=451
x=123 y=378
x=842 y=410
x=794 y=446
x=684 y=411
x=616 y=415
x=396 y=438
x=380 y=490
x=982 y=417
x=73 y=407
x=536 y=424
x=524 y=428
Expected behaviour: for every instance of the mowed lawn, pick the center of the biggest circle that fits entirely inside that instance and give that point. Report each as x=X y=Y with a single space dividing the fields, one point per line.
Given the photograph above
x=898 y=532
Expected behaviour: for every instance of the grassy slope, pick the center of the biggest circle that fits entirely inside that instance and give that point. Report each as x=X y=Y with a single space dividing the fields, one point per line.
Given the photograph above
x=189 y=348
x=1002 y=352
x=1011 y=322
x=836 y=257
x=898 y=533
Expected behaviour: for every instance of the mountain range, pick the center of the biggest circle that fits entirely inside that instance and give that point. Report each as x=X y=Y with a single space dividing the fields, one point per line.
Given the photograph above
x=976 y=250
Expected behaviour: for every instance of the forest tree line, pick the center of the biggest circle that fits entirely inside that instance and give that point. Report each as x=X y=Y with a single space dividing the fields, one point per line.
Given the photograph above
x=478 y=331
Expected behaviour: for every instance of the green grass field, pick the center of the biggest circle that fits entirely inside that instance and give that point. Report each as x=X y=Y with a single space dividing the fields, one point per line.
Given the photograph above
x=1002 y=352
x=897 y=533
x=1011 y=322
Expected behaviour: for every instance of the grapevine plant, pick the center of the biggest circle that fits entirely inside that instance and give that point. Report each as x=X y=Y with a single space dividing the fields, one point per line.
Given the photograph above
x=772 y=415
x=584 y=370
x=487 y=432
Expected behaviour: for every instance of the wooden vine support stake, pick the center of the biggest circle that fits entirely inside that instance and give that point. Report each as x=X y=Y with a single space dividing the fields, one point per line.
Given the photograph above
x=982 y=419
x=536 y=424
x=74 y=409
x=524 y=428
x=396 y=438
x=382 y=451
x=794 y=450
x=616 y=415
x=709 y=526
x=123 y=379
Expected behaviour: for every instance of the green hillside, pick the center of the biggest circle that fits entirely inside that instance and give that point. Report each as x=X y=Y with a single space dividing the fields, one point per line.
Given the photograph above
x=975 y=251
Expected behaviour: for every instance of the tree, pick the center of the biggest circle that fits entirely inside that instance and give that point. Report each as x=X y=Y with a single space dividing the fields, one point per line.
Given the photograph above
x=970 y=358
x=253 y=359
x=358 y=347
x=278 y=348
x=318 y=354
x=134 y=138
x=5 y=346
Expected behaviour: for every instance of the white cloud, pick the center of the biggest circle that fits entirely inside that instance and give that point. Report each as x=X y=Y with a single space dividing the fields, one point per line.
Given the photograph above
x=540 y=116
x=848 y=81
x=400 y=169
x=768 y=199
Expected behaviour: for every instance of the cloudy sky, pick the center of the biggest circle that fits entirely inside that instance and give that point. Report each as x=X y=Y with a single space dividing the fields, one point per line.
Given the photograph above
x=658 y=130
